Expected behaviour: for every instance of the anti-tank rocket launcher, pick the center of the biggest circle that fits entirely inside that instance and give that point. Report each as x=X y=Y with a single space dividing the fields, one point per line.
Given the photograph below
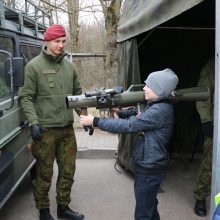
x=106 y=99
x=115 y=97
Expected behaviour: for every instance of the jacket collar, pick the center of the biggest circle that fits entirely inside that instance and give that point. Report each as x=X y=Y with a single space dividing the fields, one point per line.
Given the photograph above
x=50 y=57
x=162 y=99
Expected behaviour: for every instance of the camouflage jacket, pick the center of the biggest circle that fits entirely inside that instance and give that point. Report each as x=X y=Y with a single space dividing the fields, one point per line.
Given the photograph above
x=206 y=78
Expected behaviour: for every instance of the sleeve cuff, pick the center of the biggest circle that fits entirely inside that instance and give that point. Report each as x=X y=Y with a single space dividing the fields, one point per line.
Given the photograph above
x=32 y=123
x=95 y=121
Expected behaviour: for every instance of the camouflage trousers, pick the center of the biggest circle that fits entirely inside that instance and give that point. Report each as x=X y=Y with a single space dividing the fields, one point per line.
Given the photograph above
x=203 y=184
x=59 y=144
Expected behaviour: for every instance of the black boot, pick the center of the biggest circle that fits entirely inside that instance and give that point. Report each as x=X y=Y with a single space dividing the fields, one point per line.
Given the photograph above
x=45 y=214
x=200 y=208
x=64 y=212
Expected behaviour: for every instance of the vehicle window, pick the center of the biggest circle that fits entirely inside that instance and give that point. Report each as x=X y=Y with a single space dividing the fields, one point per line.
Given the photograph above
x=6 y=44
x=29 y=51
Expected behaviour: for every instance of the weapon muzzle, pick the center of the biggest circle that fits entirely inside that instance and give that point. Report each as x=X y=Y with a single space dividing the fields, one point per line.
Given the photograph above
x=80 y=101
x=201 y=93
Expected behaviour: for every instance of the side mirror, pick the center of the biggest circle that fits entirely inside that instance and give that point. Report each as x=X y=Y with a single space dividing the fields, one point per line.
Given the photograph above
x=17 y=71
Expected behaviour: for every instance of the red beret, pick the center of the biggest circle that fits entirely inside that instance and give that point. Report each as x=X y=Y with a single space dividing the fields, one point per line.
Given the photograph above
x=53 y=32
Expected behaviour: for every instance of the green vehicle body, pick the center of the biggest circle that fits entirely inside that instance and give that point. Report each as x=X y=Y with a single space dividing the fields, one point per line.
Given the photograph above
x=20 y=40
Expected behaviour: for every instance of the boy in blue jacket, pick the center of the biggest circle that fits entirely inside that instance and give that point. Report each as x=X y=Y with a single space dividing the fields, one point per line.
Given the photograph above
x=150 y=151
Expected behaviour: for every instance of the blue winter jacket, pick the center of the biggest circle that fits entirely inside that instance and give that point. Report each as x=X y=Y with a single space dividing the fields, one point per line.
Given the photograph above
x=153 y=127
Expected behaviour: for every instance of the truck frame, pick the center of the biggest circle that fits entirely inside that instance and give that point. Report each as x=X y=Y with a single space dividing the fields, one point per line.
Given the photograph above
x=21 y=39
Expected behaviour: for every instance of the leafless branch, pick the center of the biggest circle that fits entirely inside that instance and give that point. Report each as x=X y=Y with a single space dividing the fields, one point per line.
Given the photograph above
x=55 y=6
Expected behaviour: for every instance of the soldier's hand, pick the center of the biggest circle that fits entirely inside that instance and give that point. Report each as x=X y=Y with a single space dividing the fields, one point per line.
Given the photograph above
x=89 y=128
x=37 y=131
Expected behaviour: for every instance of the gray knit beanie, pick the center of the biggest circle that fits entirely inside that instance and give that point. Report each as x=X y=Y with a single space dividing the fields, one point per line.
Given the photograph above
x=162 y=82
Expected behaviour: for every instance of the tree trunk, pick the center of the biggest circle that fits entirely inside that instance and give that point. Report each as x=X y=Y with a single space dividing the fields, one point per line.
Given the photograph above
x=73 y=14
x=111 y=14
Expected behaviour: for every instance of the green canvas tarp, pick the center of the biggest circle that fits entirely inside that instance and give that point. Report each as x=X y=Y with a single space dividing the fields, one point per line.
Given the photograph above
x=139 y=16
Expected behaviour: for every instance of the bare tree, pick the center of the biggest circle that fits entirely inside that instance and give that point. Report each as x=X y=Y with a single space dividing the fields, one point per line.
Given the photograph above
x=111 y=10
x=91 y=70
x=54 y=8
x=49 y=8
x=73 y=15
x=59 y=9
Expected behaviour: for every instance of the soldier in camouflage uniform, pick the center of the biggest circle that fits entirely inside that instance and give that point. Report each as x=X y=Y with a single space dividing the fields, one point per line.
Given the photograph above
x=205 y=109
x=48 y=79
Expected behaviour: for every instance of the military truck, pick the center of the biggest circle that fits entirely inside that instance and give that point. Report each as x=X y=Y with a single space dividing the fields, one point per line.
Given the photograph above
x=21 y=34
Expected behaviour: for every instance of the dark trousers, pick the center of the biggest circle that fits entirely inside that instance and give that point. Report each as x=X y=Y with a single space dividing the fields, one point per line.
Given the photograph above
x=146 y=187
